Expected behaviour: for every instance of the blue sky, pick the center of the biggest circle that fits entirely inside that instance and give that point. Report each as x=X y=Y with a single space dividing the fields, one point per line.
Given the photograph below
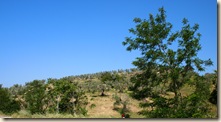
x=42 y=39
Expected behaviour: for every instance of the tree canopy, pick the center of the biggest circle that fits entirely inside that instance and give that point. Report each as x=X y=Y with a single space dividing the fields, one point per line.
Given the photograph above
x=168 y=67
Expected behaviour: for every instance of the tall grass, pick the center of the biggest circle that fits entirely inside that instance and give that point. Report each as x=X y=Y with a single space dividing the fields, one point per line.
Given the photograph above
x=21 y=114
x=1 y=113
x=26 y=114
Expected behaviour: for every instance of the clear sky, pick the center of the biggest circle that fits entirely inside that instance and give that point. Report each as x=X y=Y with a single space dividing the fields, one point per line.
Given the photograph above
x=42 y=39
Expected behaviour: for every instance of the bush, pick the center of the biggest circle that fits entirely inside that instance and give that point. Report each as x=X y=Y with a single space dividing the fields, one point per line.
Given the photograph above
x=127 y=116
x=83 y=111
x=117 y=100
x=92 y=106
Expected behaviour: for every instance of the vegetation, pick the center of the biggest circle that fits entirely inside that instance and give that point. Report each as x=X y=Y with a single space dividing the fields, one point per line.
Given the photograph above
x=165 y=84
x=7 y=104
x=56 y=100
x=172 y=68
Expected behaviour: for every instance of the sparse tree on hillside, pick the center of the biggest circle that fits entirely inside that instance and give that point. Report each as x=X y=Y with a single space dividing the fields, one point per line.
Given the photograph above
x=106 y=76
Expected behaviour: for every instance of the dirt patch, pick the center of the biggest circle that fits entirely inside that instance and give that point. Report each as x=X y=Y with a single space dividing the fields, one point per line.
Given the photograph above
x=104 y=107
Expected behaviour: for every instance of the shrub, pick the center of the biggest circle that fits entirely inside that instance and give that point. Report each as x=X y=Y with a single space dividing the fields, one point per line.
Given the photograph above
x=92 y=106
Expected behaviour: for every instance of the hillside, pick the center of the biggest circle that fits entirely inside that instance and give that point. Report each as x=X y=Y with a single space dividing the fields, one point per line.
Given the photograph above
x=98 y=95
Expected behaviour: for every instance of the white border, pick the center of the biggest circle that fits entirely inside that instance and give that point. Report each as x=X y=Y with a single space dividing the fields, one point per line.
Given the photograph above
x=134 y=120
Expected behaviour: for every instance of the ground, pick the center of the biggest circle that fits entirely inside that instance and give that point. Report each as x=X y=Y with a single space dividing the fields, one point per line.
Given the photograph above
x=104 y=106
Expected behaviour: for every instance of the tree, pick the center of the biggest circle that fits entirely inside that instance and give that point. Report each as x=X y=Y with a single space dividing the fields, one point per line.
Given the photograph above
x=121 y=104
x=7 y=104
x=5 y=98
x=66 y=96
x=35 y=95
x=106 y=76
x=162 y=65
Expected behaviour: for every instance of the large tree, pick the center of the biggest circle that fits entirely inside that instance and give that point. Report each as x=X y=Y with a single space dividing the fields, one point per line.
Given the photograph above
x=166 y=65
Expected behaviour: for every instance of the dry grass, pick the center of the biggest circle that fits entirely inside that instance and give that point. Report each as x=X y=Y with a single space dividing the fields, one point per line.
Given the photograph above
x=105 y=108
x=2 y=115
x=26 y=114
x=187 y=90
x=21 y=114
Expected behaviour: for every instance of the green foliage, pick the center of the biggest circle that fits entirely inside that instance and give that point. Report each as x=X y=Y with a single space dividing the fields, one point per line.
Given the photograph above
x=7 y=104
x=161 y=65
x=13 y=106
x=121 y=102
x=212 y=79
x=92 y=106
x=83 y=111
x=16 y=89
x=4 y=95
x=117 y=100
x=66 y=96
x=56 y=96
x=213 y=96
x=106 y=76
x=34 y=96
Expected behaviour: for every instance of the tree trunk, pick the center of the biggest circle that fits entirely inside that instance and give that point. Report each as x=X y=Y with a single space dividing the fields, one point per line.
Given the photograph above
x=102 y=93
x=57 y=107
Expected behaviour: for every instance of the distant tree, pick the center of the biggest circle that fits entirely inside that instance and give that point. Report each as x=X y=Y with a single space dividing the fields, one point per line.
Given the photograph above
x=103 y=87
x=162 y=64
x=67 y=96
x=106 y=76
x=122 y=84
x=121 y=104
